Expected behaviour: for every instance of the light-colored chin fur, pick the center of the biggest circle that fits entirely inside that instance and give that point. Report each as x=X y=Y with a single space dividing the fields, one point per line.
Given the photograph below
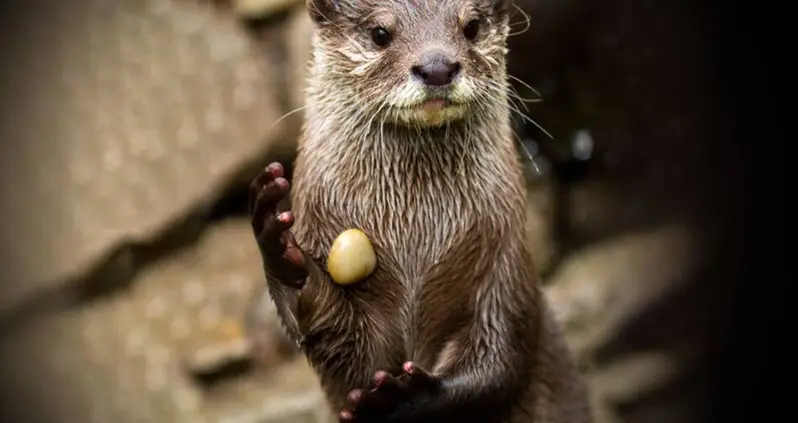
x=408 y=99
x=429 y=118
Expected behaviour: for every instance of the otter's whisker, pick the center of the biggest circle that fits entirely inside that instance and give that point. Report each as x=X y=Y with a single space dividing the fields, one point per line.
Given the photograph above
x=302 y=68
x=528 y=153
x=316 y=10
x=530 y=120
x=513 y=107
x=529 y=87
x=524 y=100
x=298 y=109
x=527 y=22
x=498 y=87
x=515 y=96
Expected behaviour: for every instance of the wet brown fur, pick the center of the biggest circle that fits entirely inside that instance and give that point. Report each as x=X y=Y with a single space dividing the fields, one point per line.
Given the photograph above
x=455 y=289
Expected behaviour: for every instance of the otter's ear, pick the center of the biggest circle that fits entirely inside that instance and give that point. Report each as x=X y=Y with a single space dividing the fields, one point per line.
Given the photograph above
x=322 y=11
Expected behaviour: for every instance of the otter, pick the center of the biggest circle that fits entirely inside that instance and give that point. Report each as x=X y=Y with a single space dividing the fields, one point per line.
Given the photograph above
x=407 y=136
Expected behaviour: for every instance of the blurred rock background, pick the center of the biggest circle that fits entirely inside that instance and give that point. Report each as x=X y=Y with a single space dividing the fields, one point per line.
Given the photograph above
x=137 y=124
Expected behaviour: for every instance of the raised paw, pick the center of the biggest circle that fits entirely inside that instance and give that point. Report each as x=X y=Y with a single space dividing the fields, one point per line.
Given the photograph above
x=282 y=259
x=391 y=398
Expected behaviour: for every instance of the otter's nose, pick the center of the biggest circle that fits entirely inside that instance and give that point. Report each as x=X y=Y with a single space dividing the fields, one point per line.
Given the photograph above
x=436 y=70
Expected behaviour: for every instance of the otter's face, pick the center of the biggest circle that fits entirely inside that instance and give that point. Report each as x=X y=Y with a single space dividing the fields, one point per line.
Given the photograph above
x=414 y=62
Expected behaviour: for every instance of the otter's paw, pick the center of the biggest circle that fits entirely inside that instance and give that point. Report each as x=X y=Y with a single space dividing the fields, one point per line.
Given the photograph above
x=283 y=260
x=391 y=399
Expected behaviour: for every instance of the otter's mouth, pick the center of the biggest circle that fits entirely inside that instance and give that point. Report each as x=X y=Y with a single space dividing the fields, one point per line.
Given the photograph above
x=434 y=112
x=436 y=104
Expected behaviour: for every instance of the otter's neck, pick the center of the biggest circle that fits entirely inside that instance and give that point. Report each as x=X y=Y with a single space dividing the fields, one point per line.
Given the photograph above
x=363 y=143
x=392 y=181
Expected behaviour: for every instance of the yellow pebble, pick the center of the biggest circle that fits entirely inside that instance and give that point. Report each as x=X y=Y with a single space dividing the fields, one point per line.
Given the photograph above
x=351 y=257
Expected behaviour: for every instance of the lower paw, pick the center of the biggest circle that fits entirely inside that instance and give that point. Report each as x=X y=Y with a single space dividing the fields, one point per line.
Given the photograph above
x=391 y=398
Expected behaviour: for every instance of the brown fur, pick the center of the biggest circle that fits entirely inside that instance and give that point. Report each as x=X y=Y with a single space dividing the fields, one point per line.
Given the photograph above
x=443 y=202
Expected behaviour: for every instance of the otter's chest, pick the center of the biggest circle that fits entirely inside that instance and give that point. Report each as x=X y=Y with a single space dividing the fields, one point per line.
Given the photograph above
x=412 y=221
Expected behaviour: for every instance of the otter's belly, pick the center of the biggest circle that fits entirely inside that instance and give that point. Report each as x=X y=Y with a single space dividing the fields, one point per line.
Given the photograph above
x=419 y=295
x=404 y=309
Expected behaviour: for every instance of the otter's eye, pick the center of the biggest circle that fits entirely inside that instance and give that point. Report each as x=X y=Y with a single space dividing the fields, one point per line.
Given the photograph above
x=471 y=30
x=380 y=36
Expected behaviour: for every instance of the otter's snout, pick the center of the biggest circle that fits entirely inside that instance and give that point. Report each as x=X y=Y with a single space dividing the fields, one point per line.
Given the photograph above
x=436 y=69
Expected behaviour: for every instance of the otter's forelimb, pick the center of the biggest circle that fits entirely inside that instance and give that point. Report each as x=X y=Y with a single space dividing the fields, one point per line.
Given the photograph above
x=286 y=266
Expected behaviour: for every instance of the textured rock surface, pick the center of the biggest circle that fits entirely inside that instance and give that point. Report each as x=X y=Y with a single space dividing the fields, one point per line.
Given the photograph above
x=597 y=289
x=595 y=292
x=131 y=357
x=262 y=8
x=100 y=364
x=131 y=115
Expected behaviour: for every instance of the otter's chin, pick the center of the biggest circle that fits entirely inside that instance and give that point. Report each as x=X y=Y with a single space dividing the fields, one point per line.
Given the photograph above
x=432 y=113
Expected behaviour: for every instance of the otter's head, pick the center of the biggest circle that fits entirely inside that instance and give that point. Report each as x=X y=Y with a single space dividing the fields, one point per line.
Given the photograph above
x=411 y=62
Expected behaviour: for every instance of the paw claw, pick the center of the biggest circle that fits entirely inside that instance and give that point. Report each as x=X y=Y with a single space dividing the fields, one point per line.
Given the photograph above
x=276 y=169
x=420 y=379
x=286 y=218
x=382 y=378
x=346 y=417
x=270 y=173
x=281 y=182
x=354 y=397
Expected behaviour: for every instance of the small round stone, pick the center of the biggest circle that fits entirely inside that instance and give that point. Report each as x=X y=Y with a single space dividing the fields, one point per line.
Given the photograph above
x=352 y=257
